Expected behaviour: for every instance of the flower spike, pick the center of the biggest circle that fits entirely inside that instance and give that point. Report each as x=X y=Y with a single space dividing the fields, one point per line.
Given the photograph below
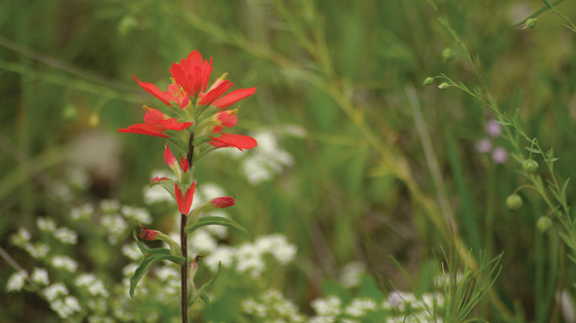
x=184 y=202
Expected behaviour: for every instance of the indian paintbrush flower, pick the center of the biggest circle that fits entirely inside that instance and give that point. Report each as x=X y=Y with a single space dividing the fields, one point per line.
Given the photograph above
x=172 y=162
x=222 y=202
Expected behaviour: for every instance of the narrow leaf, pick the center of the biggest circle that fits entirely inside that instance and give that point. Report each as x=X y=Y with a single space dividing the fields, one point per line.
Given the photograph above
x=552 y=185
x=516 y=116
x=503 y=123
x=567 y=240
x=215 y=220
x=564 y=188
x=532 y=150
x=151 y=256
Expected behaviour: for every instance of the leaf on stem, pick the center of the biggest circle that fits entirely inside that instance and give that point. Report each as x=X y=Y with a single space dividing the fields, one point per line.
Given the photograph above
x=151 y=256
x=202 y=291
x=211 y=220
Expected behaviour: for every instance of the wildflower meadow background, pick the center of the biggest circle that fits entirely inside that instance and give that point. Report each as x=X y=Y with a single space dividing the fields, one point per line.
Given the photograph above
x=370 y=196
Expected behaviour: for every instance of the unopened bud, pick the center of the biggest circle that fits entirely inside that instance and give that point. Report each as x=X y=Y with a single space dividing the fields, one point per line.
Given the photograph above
x=531 y=23
x=443 y=86
x=428 y=81
x=448 y=55
x=530 y=166
x=222 y=202
x=543 y=224
x=514 y=202
x=148 y=234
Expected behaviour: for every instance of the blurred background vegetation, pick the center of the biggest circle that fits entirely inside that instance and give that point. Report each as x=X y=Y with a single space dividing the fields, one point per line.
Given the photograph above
x=339 y=83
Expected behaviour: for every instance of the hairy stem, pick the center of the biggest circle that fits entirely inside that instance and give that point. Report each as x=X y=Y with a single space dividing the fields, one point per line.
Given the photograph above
x=184 y=268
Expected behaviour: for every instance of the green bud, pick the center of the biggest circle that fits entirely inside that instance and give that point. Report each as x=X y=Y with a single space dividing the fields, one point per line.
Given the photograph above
x=443 y=86
x=428 y=81
x=514 y=202
x=448 y=55
x=531 y=23
x=530 y=166
x=543 y=224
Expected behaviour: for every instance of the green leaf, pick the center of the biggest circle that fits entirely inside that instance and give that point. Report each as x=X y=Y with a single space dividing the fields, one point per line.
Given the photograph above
x=532 y=150
x=516 y=116
x=167 y=184
x=564 y=188
x=503 y=123
x=551 y=160
x=201 y=140
x=567 y=241
x=464 y=87
x=552 y=185
x=151 y=256
x=211 y=220
x=202 y=291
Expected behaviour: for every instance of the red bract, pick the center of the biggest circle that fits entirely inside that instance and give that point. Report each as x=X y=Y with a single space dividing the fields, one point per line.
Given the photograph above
x=148 y=234
x=184 y=202
x=155 y=124
x=173 y=94
x=159 y=179
x=184 y=164
x=222 y=202
x=231 y=140
x=225 y=119
x=192 y=73
x=233 y=97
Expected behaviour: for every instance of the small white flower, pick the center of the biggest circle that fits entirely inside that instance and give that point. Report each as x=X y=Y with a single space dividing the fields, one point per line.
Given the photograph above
x=66 y=235
x=16 y=281
x=137 y=214
x=131 y=251
x=327 y=307
x=83 y=212
x=351 y=274
x=109 y=206
x=165 y=273
x=52 y=291
x=85 y=280
x=203 y=242
x=358 y=307
x=40 y=276
x=46 y=224
x=37 y=250
x=222 y=254
x=20 y=238
x=115 y=225
x=64 y=262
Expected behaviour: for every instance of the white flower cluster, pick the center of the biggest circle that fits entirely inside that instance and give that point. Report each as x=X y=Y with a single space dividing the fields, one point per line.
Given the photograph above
x=399 y=300
x=273 y=305
x=137 y=214
x=16 y=281
x=45 y=224
x=114 y=225
x=64 y=262
x=267 y=160
x=351 y=274
x=170 y=279
x=109 y=206
x=22 y=239
x=40 y=276
x=64 y=306
x=358 y=307
x=131 y=251
x=248 y=257
x=66 y=235
x=93 y=285
x=83 y=212
x=157 y=194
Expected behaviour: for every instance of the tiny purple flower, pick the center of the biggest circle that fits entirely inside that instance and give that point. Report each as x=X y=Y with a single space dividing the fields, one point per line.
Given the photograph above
x=493 y=128
x=483 y=145
x=500 y=155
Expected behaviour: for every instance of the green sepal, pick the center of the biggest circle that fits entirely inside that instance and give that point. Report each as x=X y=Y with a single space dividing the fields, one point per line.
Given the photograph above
x=210 y=220
x=202 y=291
x=151 y=256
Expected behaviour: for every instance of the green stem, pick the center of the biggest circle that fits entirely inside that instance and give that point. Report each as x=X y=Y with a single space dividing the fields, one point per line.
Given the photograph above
x=184 y=268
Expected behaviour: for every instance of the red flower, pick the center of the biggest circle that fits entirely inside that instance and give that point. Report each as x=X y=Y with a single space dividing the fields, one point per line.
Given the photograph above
x=232 y=140
x=192 y=73
x=184 y=164
x=148 y=234
x=233 y=97
x=155 y=124
x=174 y=93
x=184 y=202
x=225 y=119
x=222 y=202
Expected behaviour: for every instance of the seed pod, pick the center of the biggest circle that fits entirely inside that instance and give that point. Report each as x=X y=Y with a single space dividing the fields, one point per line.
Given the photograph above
x=514 y=202
x=544 y=224
x=530 y=166
x=443 y=86
x=428 y=81
x=448 y=55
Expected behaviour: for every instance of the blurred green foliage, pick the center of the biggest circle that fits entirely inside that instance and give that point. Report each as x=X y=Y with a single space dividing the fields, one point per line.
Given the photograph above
x=66 y=75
